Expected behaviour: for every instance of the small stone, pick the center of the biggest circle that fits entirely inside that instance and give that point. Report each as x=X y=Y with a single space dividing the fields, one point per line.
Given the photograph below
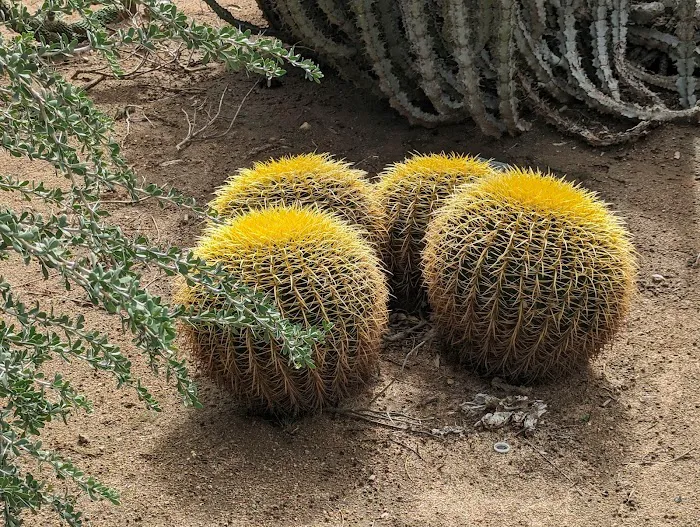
x=83 y=440
x=305 y=127
x=384 y=515
x=450 y=381
x=677 y=155
x=658 y=278
x=372 y=477
x=678 y=499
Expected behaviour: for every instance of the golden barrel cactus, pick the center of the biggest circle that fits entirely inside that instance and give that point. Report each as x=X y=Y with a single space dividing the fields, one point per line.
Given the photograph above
x=529 y=275
x=317 y=270
x=315 y=180
x=410 y=192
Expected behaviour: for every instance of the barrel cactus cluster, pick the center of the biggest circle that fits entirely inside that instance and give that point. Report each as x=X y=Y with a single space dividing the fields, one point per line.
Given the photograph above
x=527 y=275
x=305 y=232
x=442 y=61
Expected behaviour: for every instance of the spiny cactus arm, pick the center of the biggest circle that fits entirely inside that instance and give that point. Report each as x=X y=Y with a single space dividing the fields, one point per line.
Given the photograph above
x=571 y=127
x=628 y=77
x=457 y=33
x=312 y=30
x=533 y=51
x=620 y=17
x=538 y=17
x=508 y=102
x=646 y=13
x=599 y=100
x=389 y=83
x=652 y=39
x=415 y=20
x=600 y=31
x=485 y=14
x=684 y=55
x=339 y=15
x=398 y=47
x=344 y=56
x=667 y=82
x=271 y=14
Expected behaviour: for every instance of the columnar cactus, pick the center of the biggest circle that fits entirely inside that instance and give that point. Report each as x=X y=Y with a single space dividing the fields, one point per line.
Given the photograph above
x=528 y=275
x=410 y=192
x=319 y=272
x=443 y=61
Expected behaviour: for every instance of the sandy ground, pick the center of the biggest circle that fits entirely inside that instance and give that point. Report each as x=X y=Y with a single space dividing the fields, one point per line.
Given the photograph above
x=618 y=446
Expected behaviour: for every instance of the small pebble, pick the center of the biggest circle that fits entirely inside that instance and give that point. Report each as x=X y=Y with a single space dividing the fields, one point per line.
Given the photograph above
x=83 y=440
x=450 y=381
x=372 y=477
x=657 y=278
x=677 y=155
x=305 y=127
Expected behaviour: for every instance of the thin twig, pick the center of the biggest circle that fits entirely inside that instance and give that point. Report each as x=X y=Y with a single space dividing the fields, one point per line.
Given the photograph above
x=403 y=334
x=555 y=467
x=155 y=224
x=381 y=392
x=677 y=458
x=191 y=123
x=414 y=450
x=235 y=115
x=405 y=467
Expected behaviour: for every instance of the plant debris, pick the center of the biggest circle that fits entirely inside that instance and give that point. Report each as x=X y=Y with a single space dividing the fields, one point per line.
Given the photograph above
x=517 y=410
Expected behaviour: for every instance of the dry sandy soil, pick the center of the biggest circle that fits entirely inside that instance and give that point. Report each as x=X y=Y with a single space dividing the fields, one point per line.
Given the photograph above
x=619 y=445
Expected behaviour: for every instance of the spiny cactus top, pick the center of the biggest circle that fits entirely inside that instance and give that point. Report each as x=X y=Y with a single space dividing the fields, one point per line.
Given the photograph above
x=317 y=270
x=410 y=192
x=315 y=180
x=529 y=275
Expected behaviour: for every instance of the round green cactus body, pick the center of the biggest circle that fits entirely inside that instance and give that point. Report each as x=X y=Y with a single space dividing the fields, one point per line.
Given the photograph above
x=410 y=192
x=528 y=275
x=310 y=180
x=318 y=271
